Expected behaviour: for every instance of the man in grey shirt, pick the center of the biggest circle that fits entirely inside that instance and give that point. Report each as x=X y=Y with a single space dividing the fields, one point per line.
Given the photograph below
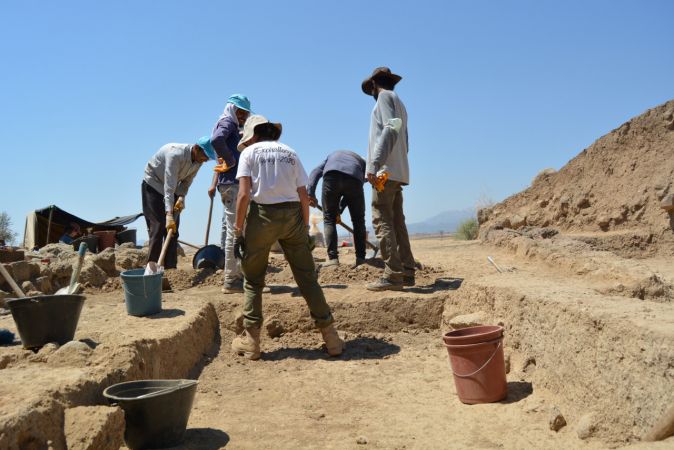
x=387 y=158
x=168 y=176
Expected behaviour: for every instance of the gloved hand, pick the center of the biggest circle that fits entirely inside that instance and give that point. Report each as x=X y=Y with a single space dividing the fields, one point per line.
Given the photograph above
x=313 y=201
x=179 y=205
x=239 y=244
x=170 y=223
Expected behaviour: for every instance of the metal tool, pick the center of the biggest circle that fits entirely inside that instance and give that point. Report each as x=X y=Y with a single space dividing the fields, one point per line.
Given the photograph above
x=74 y=286
x=369 y=255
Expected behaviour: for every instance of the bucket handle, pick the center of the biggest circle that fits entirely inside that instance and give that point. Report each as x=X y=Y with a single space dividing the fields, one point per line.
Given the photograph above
x=483 y=365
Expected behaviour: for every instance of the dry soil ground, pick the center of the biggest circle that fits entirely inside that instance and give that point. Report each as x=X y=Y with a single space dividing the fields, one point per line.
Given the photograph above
x=600 y=355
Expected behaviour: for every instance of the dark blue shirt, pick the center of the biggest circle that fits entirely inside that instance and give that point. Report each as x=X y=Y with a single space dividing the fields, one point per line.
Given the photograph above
x=345 y=161
x=225 y=138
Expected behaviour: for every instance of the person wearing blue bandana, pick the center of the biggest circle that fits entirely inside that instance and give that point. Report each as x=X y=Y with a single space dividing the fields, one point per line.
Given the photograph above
x=225 y=138
x=168 y=176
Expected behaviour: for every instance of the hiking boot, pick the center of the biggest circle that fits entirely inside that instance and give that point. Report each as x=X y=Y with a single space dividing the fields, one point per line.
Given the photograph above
x=359 y=262
x=408 y=280
x=333 y=343
x=247 y=344
x=330 y=263
x=233 y=287
x=384 y=284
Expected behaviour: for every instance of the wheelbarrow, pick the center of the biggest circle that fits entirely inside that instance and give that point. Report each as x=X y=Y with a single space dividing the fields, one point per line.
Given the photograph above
x=208 y=256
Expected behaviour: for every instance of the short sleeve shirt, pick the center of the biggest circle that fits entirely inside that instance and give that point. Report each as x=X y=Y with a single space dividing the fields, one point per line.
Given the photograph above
x=275 y=171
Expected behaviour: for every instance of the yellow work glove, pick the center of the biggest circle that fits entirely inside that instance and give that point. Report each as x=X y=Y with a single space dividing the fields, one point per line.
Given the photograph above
x=179 y=206
x=170 y=223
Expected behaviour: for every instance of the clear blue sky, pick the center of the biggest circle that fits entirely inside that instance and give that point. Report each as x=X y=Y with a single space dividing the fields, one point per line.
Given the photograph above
x=495 y=91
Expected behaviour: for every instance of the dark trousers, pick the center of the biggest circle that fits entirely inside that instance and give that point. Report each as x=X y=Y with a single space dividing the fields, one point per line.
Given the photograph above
x=339 y=188
x=154 y=211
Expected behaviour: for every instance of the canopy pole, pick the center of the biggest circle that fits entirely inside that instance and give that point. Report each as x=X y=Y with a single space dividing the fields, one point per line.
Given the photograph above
x=51 y=213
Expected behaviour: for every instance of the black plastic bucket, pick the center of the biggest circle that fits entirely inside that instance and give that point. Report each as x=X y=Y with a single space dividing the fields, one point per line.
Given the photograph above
x=91 y=241
x=46 y=318
x=127 y=236
x=209 y=257
x=156 y=411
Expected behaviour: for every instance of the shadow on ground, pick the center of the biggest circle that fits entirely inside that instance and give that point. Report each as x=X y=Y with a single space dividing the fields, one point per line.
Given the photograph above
x=168 y=313
x=359 y=348
x=518 y=390
x=203 y=439
x=440 y=284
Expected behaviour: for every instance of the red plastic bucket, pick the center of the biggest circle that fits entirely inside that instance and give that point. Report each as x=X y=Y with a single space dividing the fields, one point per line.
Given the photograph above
x=476 y=359
x=106 y=239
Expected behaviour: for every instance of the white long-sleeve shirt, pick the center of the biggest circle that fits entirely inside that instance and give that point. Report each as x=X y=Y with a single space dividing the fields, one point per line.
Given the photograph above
x=171 y=171
x=388 y=144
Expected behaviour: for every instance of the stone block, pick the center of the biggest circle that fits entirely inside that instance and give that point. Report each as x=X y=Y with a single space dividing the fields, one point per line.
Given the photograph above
x=94 y=428
x=467 y=320
x=20 y=271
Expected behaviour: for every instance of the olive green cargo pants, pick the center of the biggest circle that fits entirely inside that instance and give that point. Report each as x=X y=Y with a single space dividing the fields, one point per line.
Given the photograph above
x=282 y=222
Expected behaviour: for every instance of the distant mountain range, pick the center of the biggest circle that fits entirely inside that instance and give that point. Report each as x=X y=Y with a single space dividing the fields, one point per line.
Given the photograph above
x=446 y=221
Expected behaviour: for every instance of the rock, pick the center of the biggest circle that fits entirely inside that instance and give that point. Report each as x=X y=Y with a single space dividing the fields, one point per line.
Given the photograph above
x=586 y=426
x=274 y=327
x=48 y=349
x=517 y=221
x=556 y=419
x=58 y=250
x=126 y=245
x=106 y=261
x=20 y=270
x=483 y=215
x=34 y=269
x=603 y=221
x=667 y=203
x=131 y=258
x=467 y=320
x=71 y=354
x=4 y=295
x=94 y=427
x=92 y=275
x=362 y=440
x=43 y=284
x=28 y=286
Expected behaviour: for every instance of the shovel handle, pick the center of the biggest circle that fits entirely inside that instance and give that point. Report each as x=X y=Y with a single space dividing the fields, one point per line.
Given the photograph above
x=164 y=247
x=208 y=225
x=11 y=281
x=78 y=267
x=350 y=230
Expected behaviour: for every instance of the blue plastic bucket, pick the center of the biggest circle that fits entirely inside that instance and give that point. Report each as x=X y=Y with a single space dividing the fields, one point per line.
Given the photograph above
x=142 y=293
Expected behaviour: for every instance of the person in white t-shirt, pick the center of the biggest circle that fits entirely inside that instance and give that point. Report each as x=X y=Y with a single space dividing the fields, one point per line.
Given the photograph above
x=274 y=204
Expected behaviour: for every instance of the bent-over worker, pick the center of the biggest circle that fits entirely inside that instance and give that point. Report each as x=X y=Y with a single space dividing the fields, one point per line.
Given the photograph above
x=343 y=174
x=168 y=176
x=274 y=204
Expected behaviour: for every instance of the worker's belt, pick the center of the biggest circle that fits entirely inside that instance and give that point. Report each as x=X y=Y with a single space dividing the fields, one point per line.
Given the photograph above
x=283 y=205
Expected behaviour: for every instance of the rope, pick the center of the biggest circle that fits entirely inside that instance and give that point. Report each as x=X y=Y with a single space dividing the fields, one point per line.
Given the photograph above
x=483 y=365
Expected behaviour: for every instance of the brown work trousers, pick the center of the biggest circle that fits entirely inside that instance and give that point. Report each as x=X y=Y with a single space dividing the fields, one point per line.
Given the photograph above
x=389 y=225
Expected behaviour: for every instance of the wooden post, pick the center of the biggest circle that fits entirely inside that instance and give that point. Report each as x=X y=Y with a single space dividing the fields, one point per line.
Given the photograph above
x=51 y=213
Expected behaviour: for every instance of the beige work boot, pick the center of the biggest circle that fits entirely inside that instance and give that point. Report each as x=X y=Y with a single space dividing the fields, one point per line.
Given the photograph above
x=333 y=342
x=247 y=344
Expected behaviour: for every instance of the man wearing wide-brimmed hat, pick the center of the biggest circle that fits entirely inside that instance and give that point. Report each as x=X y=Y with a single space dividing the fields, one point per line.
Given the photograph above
x=387 y=156
x=273 y=205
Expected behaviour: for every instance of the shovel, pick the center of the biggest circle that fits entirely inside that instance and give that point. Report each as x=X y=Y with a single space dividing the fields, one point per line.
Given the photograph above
x=371 y=253
x=11 y=281
x=74 y=287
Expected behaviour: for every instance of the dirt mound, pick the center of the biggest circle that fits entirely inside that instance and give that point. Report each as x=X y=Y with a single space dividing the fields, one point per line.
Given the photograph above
x=617 y=183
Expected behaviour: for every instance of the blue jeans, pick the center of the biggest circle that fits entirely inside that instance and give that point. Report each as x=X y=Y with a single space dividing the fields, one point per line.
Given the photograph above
x=228 y=194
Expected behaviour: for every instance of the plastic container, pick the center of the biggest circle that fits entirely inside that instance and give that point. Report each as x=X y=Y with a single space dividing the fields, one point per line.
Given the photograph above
x=209 y=257
x=142 y=293
x=91 y=240
x=476 y=358
x=127 y=236
x=46 y=318
x=106 y=239
x=156 y=411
